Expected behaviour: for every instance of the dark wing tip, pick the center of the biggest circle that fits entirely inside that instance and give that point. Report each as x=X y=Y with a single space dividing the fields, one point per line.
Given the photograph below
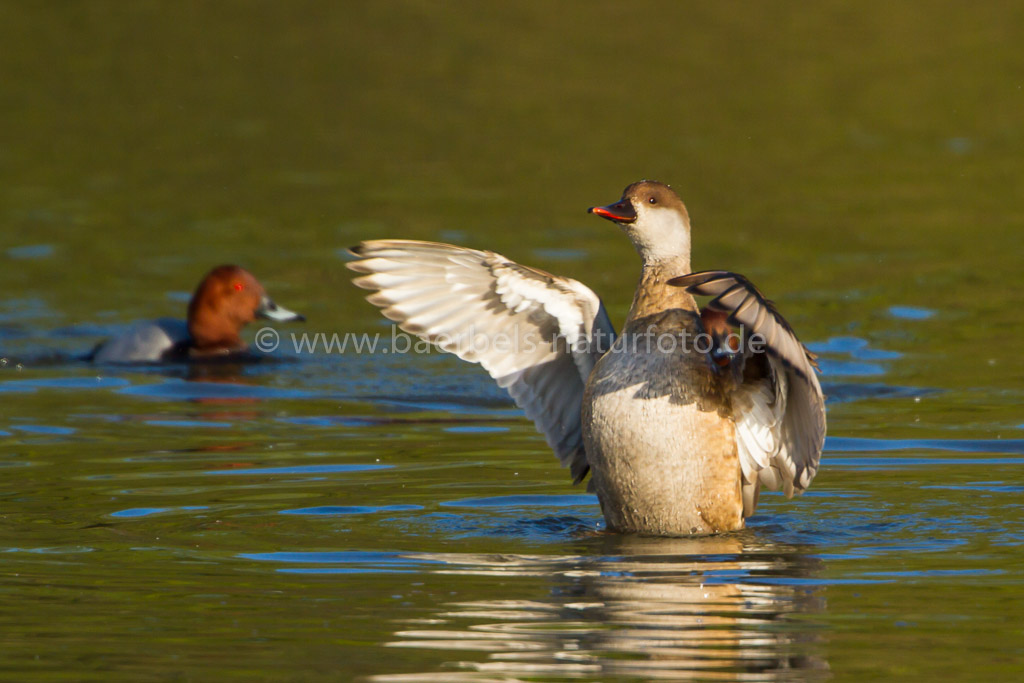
x=681 y=280
x=697 y=279
x=579 y=468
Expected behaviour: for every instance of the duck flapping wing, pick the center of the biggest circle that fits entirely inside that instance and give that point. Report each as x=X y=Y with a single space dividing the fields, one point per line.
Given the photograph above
x=778 y=407
x=538 y=335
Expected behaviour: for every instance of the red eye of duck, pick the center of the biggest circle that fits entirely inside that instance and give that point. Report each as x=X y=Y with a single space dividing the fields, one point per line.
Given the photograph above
x=239 y=286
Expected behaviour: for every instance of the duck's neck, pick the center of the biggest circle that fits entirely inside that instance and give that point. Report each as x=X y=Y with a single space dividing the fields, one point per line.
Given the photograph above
x=654 y=295
x=213 y=332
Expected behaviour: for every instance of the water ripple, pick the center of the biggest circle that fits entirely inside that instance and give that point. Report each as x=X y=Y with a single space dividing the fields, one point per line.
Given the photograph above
x=332 y=510
x=300 y=469
x=842 y=444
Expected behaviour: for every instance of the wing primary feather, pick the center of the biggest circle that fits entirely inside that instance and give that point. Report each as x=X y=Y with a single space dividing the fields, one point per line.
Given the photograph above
x=451 y=295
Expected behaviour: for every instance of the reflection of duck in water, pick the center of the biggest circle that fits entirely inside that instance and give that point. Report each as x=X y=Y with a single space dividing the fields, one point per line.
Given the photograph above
x=679 y=424
x=706 y=605
x=227 y=299
x=637 y=608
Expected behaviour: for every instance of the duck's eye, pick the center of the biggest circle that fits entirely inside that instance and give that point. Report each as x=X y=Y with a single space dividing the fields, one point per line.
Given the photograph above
x=238 y=286
x=652 y=200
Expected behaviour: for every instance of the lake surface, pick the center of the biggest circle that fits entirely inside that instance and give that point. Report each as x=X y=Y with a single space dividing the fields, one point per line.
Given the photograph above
x=392 y=517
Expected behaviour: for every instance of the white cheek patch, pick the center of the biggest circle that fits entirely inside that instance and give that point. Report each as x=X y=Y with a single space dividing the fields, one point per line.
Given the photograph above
x=660 y=234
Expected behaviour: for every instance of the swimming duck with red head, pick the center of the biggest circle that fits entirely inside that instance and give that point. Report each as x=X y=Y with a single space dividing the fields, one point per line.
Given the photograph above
x=227 y=299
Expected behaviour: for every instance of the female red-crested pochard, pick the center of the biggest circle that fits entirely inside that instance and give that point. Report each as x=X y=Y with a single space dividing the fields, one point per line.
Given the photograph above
x=679 y=424
x=227 y=299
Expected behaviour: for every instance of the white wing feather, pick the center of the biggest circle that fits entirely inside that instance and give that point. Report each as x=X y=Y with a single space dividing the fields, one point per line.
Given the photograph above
x=538 y=335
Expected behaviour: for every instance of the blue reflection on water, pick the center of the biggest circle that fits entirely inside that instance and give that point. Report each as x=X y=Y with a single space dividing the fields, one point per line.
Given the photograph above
x=301 y=469
x=328 y=510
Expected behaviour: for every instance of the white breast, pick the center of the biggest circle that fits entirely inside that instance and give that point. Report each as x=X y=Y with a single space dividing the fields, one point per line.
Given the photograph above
x=663 y=459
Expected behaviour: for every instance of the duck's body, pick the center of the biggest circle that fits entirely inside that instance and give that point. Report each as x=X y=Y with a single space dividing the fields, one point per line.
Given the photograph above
x=147 y=341
x=679 y=436
x=226 y=300
x=676 y=481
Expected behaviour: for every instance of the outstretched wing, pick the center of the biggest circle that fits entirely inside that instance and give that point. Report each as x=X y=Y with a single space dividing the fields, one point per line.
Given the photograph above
x=778 y=406
x=537 y=334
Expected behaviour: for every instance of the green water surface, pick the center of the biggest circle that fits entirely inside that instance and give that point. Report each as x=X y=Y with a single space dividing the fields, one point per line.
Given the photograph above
x=386 y=517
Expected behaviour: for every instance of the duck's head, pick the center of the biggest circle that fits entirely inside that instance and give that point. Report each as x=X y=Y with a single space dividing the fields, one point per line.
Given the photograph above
x=227 y=299
x=655 y=219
